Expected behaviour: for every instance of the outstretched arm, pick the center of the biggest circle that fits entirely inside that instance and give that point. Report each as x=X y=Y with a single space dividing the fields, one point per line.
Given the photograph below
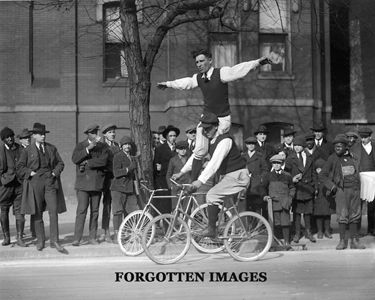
x=186 y=83
x=228 y=74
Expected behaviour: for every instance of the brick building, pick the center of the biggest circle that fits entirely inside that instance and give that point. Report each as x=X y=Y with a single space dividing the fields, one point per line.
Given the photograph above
x=61 y=65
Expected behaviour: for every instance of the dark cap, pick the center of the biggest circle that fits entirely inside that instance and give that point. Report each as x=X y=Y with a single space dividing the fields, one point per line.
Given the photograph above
x=6 y=132
x=251 y=140
x=208 y=119
x=318 y=127
x=191 y=128
x=299 y=140
x=24 y=134
x=125 y=140
x=289 y=131
x=169 y=129
x=161 y=129
x=277 y=158
x=39 y=128
x=365 y=132
x=261 y=129
x=309 y=137
x=340 y=138
x=91 y=128
x=182 y=145
x=319 y=163
x=352 y=134
x=108 y=127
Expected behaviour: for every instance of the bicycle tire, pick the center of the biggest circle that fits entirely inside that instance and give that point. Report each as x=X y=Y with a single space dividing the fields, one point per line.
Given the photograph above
x=198 y=222
x=168 y=245
x=248 y=236
x=129 y=236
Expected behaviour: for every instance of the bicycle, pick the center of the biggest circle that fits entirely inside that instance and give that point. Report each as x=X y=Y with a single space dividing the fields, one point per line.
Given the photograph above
x=247 y=236
x=130 y=231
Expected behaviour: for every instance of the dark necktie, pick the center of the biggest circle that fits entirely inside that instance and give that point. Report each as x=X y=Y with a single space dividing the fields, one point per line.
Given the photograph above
x=41 y=148
x=205 y=77
x=300 y=159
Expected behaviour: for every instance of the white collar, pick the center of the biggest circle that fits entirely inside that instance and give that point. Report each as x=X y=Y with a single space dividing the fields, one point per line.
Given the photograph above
x=209 y=73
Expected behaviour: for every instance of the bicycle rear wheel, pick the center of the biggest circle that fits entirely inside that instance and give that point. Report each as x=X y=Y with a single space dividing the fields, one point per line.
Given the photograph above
x=129 y=235
x=198 y=222
x=248 y=236
x=170 y=242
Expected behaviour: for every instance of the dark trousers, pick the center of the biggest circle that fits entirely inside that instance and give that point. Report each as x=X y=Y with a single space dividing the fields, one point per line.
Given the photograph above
x=371 y=217
x=86 y=199
x=107 y=201
x=45 y=194
x=12 y=196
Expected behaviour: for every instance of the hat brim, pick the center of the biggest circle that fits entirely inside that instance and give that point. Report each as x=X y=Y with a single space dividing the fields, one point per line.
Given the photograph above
x=277 y=161
x=40 y=131
x=166 y=131
x=318 y=129
x=206 y=125
x=262 y=131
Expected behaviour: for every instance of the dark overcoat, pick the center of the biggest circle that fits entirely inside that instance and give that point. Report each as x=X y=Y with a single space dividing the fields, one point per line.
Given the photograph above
x=163 y=154
x=123 y=171
x=29 y=161
x=257 y=167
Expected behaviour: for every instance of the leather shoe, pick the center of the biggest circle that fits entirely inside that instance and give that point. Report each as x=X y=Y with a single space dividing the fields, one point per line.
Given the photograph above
x=93 y=242
x=310 y=237
x=39 y=247
x=343 y=244
x=319 y=235
x=356 y=245
x=327 y=234
x=58 y=247
x=296 y=238
x=75 y=243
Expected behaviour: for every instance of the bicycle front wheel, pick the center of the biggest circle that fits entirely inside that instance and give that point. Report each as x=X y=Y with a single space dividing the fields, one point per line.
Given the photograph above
x=170 y=242
x=129 y=235
x=248 y=236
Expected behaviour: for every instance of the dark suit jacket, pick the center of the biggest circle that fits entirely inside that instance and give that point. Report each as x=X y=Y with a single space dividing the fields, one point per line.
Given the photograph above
x=123 y=171
x=325 y=150
x=257 y=167
x=306 y=187
x=267 y=150
x=5 y=175
x=174 y=166
x=28 y=162
x=90 y=168
x=162 y=156
x=356 y=149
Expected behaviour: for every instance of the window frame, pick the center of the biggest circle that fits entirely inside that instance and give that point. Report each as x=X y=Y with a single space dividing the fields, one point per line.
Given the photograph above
x=216 y=37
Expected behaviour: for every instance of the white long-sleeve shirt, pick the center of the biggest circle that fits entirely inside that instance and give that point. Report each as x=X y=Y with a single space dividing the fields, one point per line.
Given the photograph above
x=221 y=151
x=227 y=74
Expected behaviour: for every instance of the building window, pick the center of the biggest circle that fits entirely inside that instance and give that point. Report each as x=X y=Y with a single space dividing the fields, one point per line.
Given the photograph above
x=224 y=49
x=274 y=36
x=114 y=62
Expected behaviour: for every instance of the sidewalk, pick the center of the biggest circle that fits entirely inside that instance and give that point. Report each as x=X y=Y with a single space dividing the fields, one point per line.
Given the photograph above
x=66 y=227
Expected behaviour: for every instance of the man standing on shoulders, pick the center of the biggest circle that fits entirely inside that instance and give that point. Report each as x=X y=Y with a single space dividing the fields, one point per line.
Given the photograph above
x=213 y=83
x=40 y=165
x=109 y=134
x=365 y=152
x=10 y=186
x=91 y=159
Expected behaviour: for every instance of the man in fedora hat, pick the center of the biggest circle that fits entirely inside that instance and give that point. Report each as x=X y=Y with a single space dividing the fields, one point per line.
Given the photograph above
x=40 y=166
x=191 y=133
x=340 y=175
x=365 y=152
x=109 y=134
x=163 y=154
x=262 y=146
x=91 y=157
x=288 y=137
x=213 y=83
x=325 y=147
x=10 y=186
x=24 y=137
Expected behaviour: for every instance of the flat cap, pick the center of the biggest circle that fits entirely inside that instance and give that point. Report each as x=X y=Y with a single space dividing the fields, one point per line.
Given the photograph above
x=352 y=134
x=365 y=132
x=25 y=133
x=191 y=128
x=251 y=140
x=91 y=128
x=261 y=129
x=289 y=131
x=125 y=140
x=161 y=129
x=299 y=140
x=277 y=158
x=340 y=138
x=319 y=163
x=309 y=137
x=208 y=119
x=108 y=127
x=182 y=145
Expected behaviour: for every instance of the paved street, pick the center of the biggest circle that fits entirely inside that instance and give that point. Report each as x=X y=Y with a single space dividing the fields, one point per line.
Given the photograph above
x=305 y=275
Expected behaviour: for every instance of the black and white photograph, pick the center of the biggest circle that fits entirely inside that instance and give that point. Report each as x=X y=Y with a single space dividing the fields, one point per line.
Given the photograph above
x=187 y=149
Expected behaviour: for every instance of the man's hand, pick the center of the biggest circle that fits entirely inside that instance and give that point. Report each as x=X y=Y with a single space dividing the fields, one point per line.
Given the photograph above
x=158 y=167
x=265 y=60
x=176 y=176
x=267 y=198
x=32 y=173
x=91 y=145
x=197 y=184
x=297 y=178
x=162 y=85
